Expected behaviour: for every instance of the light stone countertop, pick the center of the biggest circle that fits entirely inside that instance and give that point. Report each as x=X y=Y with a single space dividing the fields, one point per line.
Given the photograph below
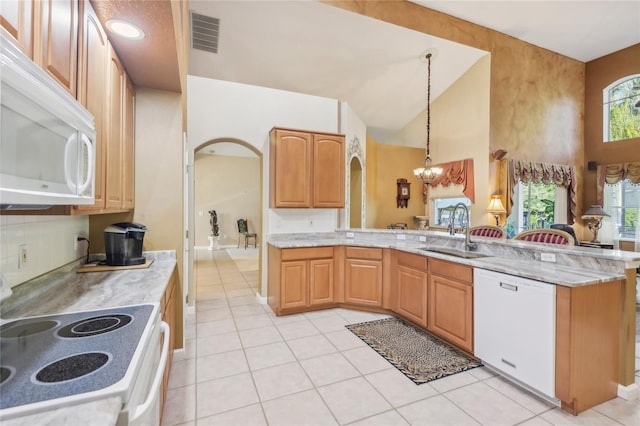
x=576 y=266
x=64 y=290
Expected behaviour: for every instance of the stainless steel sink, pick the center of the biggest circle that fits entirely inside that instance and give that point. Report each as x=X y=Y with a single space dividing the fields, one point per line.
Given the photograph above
x=453 y=252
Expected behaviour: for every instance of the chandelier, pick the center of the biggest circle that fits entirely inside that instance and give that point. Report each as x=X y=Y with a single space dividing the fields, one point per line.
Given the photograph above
x=428 y=173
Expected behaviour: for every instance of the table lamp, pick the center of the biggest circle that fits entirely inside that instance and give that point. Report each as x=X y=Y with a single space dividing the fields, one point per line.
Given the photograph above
x=593 y=216
x=496 y=208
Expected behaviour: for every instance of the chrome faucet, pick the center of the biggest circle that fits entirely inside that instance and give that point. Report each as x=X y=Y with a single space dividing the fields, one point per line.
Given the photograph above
x=468 y=244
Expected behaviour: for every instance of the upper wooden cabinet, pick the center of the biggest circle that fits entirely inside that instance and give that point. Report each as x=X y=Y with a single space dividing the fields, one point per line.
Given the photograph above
x=66 y=39
x=128 y=146
x=16 y=19
x=58 y=53
x=92 y=92
x=113 y=173
x=306 y=169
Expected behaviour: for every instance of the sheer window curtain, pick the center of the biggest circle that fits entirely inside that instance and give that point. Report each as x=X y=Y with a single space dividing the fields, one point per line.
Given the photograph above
x=609 y=177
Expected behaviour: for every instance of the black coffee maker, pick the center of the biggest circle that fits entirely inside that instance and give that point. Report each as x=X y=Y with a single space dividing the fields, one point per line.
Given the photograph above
x=123 y=243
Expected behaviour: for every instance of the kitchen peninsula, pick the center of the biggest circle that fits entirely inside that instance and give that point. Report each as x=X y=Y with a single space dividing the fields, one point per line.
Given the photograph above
x=425 y=276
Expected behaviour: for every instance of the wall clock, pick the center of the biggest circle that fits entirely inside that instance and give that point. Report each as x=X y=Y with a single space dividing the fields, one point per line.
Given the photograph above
x=404 y=193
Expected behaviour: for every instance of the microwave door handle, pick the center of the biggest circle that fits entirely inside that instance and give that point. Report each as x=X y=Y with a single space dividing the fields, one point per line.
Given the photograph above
x=157 y=380
x=87 y=142
x=71 y=182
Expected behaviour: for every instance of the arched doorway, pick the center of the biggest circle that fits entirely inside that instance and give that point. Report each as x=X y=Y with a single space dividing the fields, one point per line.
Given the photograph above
x=226 y=177
x=355 y=193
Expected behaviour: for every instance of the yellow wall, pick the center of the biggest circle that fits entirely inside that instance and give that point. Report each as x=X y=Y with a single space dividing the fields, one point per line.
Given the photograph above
x=536 y=96
x=396 y=162
x=600 y=73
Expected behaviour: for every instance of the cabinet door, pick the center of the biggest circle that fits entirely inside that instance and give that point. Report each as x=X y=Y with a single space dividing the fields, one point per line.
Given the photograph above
x=412 y=295
x=59 y=37
x=328 y=171
x=128 y=146
x=290 y=168
x=363 y=282
x=321 y=281
x=451 y=311
x=92 y=90
x=16 y=17
x=114 y=140
x=294 y=279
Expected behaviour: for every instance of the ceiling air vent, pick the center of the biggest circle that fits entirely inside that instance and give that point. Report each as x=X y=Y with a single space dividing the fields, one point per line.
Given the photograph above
x=204 y=32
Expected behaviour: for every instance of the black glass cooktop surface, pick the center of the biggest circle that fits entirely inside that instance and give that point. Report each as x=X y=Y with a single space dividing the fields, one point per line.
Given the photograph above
x=54 y=356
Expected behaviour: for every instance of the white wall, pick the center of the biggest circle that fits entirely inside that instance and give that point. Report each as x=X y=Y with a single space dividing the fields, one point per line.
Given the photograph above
x=49 y=242
x=353 y=128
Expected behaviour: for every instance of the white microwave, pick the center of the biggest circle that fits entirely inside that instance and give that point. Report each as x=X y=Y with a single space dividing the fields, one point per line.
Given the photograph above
x=47 y=154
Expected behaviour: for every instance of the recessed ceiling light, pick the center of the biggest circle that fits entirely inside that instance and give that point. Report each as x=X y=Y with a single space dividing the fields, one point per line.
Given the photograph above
x=125 y=29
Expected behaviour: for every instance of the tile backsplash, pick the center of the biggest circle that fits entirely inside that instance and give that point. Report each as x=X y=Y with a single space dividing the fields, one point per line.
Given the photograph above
x=33 y=245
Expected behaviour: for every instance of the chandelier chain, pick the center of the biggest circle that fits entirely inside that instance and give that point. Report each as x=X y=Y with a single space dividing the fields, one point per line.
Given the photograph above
x=428 y=102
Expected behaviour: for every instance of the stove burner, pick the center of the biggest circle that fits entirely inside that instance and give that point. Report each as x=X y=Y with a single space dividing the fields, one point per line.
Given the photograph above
x=72 y=367
x=94 y=326
x=5 y=374
x=12 y=331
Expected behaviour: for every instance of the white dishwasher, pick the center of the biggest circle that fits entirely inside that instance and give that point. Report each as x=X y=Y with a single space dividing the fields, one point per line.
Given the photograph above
x=515 y=328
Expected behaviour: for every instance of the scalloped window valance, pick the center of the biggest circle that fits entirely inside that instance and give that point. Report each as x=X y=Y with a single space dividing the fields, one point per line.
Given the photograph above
x=557 y=174
x=459 y=173
x=613 y=173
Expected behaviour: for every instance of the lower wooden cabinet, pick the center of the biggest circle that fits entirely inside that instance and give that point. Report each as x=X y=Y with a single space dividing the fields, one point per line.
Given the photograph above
x=450 y=304
x=587 y=344
x=363 y=276
x=300 y=278
x=411 y=283
x=168 y=312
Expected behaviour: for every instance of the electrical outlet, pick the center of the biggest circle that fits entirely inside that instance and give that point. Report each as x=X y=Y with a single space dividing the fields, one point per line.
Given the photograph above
x=350 y=235
x=401 y=237
x=23 y=256
x=422 y=239
x=548 y=257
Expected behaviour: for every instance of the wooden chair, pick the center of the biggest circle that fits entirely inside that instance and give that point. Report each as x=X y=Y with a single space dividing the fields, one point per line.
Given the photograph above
x=546 y=236
x=243 y=231
x=488 y=231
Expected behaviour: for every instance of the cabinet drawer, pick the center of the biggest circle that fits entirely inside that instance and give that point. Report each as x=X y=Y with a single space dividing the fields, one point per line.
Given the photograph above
x=413 y=261
x=307 y=253
x=364 y=253
x=452 y=270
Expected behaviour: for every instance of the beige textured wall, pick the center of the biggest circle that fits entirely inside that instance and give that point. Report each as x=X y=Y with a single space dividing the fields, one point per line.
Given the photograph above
x=600 y=73
x=537 y=96
x=158 y=184
x=231 y=187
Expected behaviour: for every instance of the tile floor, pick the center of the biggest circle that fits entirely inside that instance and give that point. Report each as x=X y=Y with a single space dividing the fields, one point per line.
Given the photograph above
x=242 y=365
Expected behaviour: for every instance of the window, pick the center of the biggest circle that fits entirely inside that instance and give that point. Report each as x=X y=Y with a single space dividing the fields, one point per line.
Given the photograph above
x=536 y=206
x=621 y=116
x=443 y=207
x=622 y=202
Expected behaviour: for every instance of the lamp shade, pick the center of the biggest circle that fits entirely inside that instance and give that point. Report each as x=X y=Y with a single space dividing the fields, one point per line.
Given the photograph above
x=595 y=212
x=495 y=205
